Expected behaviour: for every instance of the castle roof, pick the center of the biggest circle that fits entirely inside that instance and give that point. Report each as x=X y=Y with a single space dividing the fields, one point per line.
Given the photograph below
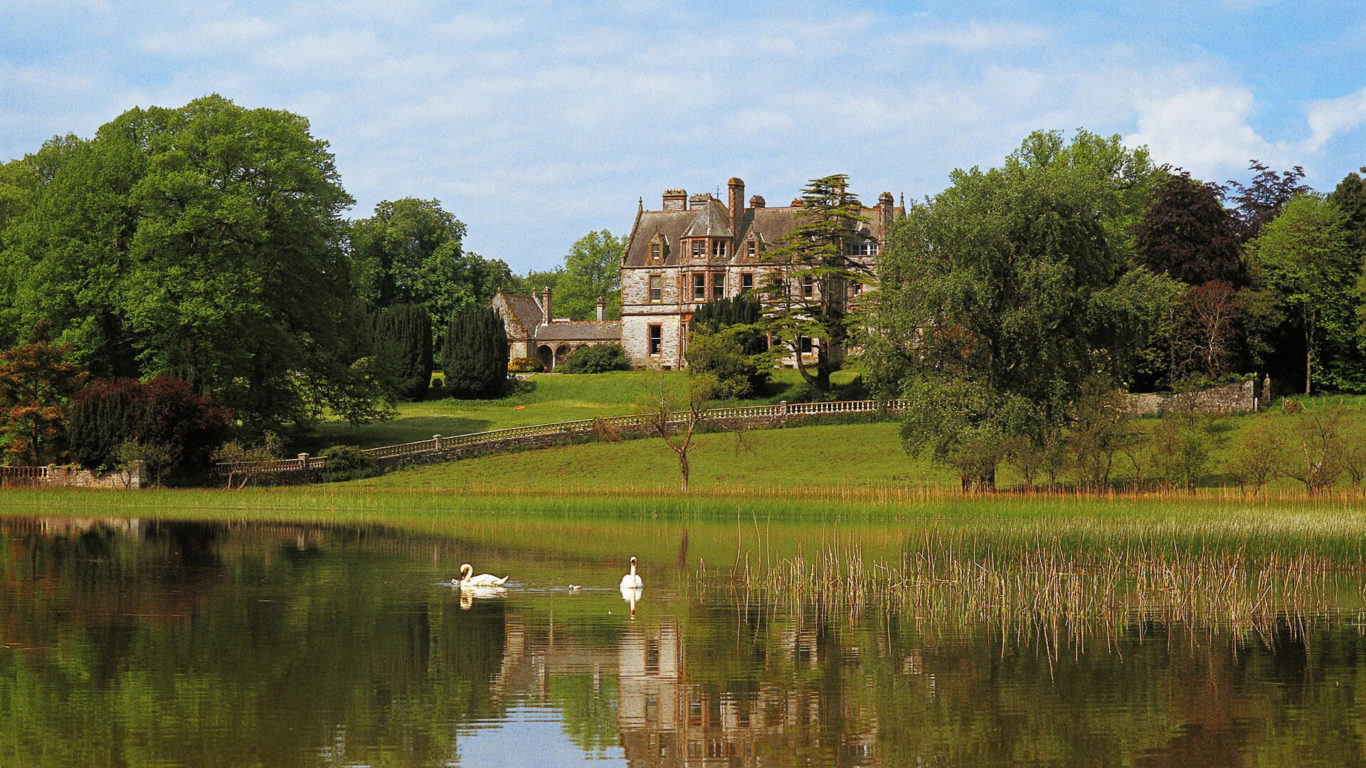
x=711 y=218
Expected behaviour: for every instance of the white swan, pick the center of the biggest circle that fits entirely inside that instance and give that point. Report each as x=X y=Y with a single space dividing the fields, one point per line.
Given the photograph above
x=467 y=580
x=631 y=580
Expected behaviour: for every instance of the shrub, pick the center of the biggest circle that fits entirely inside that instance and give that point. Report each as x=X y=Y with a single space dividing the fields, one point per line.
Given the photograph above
x=1259 y=455
x=475 y=356
x=525 y=365
x=598 y=358
x=1319 y=454
x=347 y=462
x=164 y=412
x=1179 y=449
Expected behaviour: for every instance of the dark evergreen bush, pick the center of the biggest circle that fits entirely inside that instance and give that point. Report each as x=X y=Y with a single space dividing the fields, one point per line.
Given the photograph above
x=475 y=356
x=163 y=412
x=598 y=358
x=404 y=331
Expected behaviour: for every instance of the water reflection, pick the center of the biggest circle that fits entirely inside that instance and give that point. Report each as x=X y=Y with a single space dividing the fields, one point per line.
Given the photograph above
x=129 y=643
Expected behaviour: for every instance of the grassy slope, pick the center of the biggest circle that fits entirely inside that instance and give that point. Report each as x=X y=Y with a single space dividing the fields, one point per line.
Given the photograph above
x=836 y=457
x=545 y=398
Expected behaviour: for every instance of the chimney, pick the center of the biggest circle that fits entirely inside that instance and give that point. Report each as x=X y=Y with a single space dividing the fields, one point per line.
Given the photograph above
x=885 y=210
x=602 y=310
x=734 y=201
x=545 y=304
x=757 y=201
x=675 y=200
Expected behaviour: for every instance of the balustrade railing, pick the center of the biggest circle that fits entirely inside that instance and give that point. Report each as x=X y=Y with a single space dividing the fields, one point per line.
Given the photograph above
x=511 y=437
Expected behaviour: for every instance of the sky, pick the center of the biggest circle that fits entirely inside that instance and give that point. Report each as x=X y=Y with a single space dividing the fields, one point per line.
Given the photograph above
x=535 y=123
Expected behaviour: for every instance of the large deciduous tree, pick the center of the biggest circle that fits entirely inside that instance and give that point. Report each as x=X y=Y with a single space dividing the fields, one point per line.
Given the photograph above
x=1262 y=199
x=998 y=298
x=410 y=252
x=1188 y=234
x=1305 y=256
x=807 y=297
x=201 y=242
x=592 y=269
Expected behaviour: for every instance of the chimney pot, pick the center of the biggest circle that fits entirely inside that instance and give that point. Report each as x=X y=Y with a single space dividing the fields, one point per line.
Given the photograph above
x=675 y=200
x=602 y=309
x=735 y=189
x=545 y=304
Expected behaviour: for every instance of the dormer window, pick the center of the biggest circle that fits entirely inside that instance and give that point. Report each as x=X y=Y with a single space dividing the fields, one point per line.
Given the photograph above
x=751 y=248
x=656 y=250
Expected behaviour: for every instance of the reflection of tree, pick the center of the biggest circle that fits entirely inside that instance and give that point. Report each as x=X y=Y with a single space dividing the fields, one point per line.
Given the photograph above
x=294 y=646
x=291 y=661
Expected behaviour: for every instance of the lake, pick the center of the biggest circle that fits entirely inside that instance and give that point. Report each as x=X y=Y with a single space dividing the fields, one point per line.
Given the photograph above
x=128 y=642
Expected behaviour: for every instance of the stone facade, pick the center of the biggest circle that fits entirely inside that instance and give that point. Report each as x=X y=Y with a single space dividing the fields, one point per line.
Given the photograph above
x=533 y=332
x=696 y=248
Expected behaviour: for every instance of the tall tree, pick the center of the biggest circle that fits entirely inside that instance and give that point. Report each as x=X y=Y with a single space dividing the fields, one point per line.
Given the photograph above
x=592 y=269
x=998 y=298
x=1350 y=198
x=204 y=243
x=1263 y=198
x=807 y=298
x=404 y=334
x=1188 y=234
x=474 y=359
x=410 y=252
x=1305 y=255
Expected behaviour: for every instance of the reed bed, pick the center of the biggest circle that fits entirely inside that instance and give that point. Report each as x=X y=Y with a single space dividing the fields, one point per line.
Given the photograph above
x=1050 y=591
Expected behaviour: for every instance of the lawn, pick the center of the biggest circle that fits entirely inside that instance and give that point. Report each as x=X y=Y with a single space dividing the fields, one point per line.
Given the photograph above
x=840 y=458
x=540 y=399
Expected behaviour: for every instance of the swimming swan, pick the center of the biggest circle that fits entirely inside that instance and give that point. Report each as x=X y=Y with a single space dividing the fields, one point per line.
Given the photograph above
x=482 y=580
x=631 y=580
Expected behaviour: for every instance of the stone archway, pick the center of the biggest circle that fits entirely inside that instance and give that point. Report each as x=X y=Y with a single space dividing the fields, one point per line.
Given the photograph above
x=546 y=357
x=561 y=352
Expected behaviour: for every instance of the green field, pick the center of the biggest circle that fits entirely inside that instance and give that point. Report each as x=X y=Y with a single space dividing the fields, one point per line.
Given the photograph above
x=864 y=457
x=542 y=399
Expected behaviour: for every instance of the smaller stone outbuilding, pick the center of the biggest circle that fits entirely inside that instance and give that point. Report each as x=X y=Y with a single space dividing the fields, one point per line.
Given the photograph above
x=533 y=332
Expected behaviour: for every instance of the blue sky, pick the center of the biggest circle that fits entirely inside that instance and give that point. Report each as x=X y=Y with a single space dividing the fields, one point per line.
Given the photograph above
x=535 y=123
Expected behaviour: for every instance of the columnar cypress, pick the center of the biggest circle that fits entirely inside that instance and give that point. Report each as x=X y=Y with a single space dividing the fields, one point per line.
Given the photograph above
x=406 y=330
x=475 y=356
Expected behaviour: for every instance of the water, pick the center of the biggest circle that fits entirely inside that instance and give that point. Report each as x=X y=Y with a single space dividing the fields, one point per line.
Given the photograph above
x=179 y=644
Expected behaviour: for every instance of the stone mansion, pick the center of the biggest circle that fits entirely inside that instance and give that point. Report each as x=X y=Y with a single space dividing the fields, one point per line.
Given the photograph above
x=693 y=249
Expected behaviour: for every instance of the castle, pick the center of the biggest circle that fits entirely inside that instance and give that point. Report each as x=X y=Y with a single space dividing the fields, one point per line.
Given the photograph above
x=694 y=249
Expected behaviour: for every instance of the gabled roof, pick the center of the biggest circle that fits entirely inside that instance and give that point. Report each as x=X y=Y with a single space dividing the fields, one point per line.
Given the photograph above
x=709 y=221
x=525 y=309
x=580 y=330
x=712 y=219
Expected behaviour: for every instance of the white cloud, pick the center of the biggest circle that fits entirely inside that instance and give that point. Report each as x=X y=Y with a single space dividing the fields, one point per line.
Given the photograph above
x=1204 y=129
x=1329 y=118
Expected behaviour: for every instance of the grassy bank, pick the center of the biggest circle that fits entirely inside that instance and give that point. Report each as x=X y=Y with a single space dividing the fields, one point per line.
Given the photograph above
x=540 y=399
x=775 y=522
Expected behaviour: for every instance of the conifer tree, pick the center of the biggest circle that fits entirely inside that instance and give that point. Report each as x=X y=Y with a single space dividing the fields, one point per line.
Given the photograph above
x=405 y=332
x=807 y=297
x=475 y=356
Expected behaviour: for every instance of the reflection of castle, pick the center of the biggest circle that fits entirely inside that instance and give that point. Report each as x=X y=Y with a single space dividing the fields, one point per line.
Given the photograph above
x=665 y=719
